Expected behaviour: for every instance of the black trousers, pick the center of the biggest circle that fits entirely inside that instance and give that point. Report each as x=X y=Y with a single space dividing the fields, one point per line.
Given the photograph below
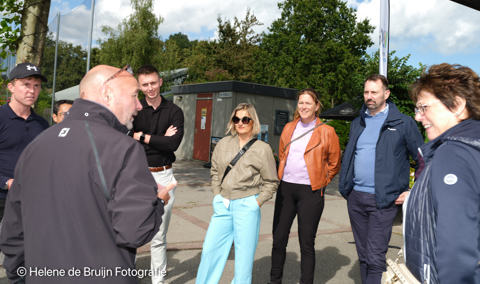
x=372 y=230
x=292 y=200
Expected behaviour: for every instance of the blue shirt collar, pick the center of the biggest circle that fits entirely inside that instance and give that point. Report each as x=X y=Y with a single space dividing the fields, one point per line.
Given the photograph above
x=383 y=112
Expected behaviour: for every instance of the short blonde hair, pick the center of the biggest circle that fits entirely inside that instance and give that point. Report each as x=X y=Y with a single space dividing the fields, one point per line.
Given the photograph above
x=253 y=115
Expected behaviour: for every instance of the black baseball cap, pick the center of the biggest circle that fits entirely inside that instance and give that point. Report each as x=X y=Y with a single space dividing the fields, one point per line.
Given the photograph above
x=24 y=70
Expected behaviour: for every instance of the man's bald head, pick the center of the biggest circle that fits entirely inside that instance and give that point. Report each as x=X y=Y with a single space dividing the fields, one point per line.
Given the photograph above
x=93 y=80
x=119 y=94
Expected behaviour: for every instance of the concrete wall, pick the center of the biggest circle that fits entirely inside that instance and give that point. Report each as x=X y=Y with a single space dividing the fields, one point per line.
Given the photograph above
x=222 y=109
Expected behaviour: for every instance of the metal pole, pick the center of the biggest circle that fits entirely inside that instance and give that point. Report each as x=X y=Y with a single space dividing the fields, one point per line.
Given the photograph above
x=55 y=67
x=9 y=60
x=90 y=34
x=384 y=36
x=388 y=47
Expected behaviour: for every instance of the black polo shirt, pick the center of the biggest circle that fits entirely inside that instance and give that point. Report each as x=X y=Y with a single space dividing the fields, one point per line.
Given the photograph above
x=155 y=122
x=15 y=134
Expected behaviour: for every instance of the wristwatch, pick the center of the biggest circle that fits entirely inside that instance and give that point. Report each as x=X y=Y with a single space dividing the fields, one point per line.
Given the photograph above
x=161 y=200
x=142 y=137
x=5 y=187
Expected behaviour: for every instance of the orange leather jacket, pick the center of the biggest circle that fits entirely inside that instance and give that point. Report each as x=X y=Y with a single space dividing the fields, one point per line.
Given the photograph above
x=322 y=155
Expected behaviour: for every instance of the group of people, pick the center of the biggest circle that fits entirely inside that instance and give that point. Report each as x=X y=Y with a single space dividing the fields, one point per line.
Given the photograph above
x=116 y=193
x=84 y=194
x=441 y=214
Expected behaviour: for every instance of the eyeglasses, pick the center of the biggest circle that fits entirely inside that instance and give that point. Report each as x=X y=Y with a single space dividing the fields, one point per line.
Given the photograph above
x=62 y=113
x=422 y=108
x=126 y=68
x=245 y=119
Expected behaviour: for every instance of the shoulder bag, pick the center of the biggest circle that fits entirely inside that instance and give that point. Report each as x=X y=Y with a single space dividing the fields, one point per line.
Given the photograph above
x=237 y=157
x=305 y=133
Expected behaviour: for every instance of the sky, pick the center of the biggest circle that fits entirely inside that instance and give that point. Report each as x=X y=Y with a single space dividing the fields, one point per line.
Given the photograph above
x=431 y=31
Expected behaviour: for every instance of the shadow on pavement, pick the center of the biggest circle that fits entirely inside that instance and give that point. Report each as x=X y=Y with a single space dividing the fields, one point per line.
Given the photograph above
x=328 y=262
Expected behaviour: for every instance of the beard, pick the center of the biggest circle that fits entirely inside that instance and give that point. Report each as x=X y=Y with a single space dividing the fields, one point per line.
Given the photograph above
x=129 y=123
x=372 y=105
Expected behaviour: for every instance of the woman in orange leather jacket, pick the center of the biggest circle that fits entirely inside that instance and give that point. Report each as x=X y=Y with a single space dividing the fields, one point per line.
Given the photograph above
x=310 y=158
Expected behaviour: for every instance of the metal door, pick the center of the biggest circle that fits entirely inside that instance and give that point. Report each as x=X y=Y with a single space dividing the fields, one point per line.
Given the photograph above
x=203 y=123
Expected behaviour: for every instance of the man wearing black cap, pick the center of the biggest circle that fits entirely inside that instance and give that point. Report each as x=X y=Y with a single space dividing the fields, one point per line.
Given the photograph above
x=19 y=124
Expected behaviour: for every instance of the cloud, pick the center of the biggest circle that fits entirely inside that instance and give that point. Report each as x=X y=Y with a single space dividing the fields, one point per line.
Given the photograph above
x=196 y=18
x=75 y=24
x=439 y=26
x=199 y=17
x=422 y=26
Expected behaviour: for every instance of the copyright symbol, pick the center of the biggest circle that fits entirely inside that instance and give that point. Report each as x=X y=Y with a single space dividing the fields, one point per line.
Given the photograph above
x=21 y=271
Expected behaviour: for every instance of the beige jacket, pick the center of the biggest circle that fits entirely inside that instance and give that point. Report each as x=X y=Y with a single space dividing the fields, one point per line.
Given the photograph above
x=254 y=173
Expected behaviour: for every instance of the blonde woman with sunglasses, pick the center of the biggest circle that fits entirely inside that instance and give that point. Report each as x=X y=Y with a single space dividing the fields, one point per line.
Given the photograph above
x=238 y=196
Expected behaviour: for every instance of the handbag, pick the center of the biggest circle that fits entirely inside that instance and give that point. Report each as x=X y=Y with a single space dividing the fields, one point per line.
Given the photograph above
x=398 y=272
x=238 y=156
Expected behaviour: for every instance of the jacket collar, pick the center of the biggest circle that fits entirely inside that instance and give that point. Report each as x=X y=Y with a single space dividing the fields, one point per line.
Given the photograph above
x=393 y=113
x=465 y=132
x=89 y=110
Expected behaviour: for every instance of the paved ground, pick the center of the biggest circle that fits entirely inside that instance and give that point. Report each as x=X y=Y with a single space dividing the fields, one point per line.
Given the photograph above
x=336 y=257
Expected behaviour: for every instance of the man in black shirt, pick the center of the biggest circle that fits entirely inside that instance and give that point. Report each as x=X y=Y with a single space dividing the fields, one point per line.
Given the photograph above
x=19 y=124
x=159 y=128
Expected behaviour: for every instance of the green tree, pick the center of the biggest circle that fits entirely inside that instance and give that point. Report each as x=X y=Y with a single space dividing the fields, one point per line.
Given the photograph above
x=182 y=41
x=135 y=40
x=317 y=44
x=230 y=55
x=202 y=66
x=44 y=101
x=184 y=45
x=10 y=26
x=71 y=64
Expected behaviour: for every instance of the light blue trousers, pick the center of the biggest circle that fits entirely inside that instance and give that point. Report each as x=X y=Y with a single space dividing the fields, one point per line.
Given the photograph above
x=240 y=223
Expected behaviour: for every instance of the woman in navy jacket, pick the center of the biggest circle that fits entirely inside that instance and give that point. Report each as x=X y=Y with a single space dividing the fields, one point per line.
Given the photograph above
x=442 y=212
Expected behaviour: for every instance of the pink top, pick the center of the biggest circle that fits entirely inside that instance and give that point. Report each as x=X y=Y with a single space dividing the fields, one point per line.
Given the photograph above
x=295 y=167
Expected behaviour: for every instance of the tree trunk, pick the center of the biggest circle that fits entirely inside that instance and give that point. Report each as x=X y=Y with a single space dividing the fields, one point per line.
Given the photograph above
x=33 y=31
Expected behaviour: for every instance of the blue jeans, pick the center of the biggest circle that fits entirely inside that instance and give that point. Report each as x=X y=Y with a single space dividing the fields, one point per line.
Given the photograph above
x=372 y=230
x=239 y=223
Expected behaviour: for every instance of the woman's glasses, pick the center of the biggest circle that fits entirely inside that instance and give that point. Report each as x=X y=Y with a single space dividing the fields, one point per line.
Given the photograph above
x=245 y=119
x=422 y=108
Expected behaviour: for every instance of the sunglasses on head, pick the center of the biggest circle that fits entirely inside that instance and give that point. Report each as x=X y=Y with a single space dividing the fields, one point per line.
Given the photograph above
x=245 y=119
x=126 y=68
